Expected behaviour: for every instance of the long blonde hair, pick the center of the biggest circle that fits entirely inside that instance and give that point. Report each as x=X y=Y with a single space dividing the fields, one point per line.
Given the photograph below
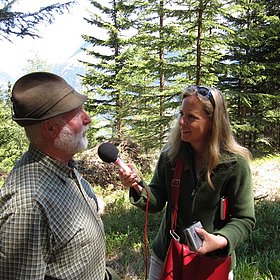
x=221 y=138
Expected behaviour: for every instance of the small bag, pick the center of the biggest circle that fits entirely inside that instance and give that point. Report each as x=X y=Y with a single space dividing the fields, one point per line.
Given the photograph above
x=181 y=263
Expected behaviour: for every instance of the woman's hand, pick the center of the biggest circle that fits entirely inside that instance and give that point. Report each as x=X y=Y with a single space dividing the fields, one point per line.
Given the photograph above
x=211 y=242
x=130 y=179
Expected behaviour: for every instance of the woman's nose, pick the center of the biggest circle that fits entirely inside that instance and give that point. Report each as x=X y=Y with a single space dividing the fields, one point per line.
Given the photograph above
x=182 y=121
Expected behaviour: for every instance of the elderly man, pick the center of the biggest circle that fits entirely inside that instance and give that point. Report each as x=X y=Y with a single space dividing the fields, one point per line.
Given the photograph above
x=49 y=220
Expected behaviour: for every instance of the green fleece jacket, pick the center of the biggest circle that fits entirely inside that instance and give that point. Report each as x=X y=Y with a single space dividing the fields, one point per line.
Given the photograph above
x=198 y=202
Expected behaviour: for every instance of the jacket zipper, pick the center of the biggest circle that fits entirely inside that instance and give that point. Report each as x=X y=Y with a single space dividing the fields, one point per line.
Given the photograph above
x=193 y=196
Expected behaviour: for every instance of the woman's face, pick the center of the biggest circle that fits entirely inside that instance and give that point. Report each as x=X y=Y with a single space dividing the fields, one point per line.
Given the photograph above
x=194 y=123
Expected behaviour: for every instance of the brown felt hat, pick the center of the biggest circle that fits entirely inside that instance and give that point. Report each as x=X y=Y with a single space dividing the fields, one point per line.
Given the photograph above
x=41 y=95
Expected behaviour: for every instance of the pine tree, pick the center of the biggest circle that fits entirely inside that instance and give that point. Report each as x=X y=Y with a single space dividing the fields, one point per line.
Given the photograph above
x=251 y=70
x=201 y=45
x=182 y=45
x=24 y=24
x=152 y=78
x=172 y=44
x=104 y=77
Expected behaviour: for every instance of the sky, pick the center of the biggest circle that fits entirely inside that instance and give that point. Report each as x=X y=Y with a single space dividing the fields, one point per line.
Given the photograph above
x=60 y=40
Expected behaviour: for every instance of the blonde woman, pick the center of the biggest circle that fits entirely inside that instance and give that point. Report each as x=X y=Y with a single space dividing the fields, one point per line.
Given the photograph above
x=215 y=166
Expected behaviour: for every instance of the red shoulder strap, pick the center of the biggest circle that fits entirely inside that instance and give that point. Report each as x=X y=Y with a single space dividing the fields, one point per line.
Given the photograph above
x=175 y=184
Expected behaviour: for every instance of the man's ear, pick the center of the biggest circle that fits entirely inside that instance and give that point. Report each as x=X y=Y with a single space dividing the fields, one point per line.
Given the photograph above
x=50 y=129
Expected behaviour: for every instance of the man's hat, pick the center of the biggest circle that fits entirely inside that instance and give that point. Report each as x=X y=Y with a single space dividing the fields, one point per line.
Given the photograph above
x=41 y=95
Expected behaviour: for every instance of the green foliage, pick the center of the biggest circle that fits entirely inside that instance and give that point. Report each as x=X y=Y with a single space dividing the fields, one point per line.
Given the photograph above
x=12 y=137
x=256 y=124
x=35 y=63
x=259 y=258
x=251 y=73
x=233 y=45
x=105 y=76
x=139 y=79
x=124 y=228
x=25 y=23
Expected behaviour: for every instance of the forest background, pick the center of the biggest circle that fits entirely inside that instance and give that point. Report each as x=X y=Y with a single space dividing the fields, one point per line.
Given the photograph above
x=147 y=52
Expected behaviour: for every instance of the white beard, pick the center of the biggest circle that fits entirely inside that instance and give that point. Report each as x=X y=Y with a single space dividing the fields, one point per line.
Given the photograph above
x=71 y=143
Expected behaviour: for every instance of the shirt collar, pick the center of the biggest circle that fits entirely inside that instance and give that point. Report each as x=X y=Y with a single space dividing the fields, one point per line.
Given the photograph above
x=45 y=160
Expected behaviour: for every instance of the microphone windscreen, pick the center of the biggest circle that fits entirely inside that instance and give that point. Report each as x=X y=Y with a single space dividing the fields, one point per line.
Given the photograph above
x=108 y=152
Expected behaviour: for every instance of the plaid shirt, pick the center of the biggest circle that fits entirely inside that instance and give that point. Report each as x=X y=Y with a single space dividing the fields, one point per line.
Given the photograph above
x=49 y=223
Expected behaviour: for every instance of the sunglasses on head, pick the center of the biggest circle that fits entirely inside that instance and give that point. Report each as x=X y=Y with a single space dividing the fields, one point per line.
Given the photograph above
x=205 y=92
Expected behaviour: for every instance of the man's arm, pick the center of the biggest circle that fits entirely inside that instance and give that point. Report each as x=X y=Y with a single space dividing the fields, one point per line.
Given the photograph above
x=23 y=245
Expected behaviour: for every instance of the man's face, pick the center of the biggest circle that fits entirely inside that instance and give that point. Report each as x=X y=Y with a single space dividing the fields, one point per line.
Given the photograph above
x=72 y=137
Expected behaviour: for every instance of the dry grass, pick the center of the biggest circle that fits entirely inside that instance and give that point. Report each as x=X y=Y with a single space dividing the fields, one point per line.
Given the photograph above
x=266 y=178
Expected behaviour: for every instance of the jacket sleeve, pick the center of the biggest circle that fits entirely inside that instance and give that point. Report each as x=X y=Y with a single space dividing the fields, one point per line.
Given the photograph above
x=155 y=191
x=241 y=219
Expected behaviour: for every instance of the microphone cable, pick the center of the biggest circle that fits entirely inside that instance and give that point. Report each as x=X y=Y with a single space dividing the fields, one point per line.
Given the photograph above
x=146 y=242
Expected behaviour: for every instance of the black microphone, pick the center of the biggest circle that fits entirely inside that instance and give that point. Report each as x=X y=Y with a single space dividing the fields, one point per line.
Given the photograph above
x=109 y=153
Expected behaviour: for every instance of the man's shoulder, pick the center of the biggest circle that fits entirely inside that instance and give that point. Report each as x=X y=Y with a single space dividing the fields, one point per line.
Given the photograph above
x=28 y=178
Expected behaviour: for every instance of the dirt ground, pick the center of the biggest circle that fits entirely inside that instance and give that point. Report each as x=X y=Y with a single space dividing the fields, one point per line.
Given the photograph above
x=266 y=179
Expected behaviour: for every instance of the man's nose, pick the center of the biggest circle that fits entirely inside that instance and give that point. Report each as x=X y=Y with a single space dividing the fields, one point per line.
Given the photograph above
x=86 y=117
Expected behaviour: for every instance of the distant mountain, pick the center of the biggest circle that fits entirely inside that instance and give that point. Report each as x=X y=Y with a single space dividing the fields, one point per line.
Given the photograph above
x=4 y=79
x=70 y=72
x=72 y=68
